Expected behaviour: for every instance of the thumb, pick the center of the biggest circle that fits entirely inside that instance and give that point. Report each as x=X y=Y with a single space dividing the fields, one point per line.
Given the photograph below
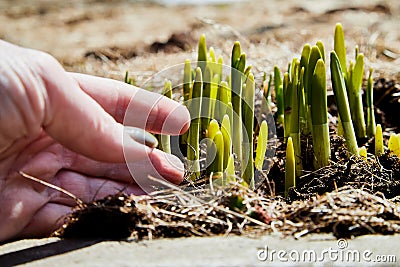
x=79 y=123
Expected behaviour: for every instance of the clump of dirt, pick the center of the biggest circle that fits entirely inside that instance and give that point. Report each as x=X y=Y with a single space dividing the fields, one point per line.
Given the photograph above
x=177 y=42
x=355 y=172
x=346 y=212
x=374 y=174
x=171 y=213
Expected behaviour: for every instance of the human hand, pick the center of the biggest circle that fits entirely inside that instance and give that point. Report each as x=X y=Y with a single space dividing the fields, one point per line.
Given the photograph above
x=66 y=129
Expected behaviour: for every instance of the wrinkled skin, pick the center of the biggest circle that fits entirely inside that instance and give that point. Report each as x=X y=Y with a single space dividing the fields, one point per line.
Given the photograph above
x=66 y=129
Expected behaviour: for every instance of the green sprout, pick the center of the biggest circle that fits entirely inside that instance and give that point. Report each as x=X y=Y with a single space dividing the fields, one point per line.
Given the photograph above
x=286 y=100
x=394 y=144
x=248 y=120
x=267 y=92
x=353 y=77
x=266 y=101
x=261 y=148
x=216 y=143
x=218 y=163
x=187 y=81
x=339 y=130
x=290 y=167
x=292 y=108
x=315 y=55
x=213 y=96
x=212 y=57
x=279 y=95
x=363 y=153
x=205 y=103
x=340 y=47
x=230 y=170
x=237 y=68
x=226 y=133
x=340 y=92
x=187 y=88
x=202 y=53
x=319 y=116
x=129 y=80
x=166 y=139
x=229 y=112
x=224 y=97
x=355 y=98
x=194 y=130
x=378 y=141
x=212 y=129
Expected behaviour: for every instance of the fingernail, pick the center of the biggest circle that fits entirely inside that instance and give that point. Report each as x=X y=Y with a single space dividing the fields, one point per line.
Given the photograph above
x=141 y=136
x=168 y=166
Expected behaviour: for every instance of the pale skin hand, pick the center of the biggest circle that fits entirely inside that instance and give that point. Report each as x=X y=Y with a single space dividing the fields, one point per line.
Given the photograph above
x=66 y=129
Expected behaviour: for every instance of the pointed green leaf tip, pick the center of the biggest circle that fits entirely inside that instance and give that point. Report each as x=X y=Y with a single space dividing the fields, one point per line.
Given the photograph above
x=212 y=129
x=378 y=141
x=315 y=55
x=279 y=94
x=305 y=55
x=363 y=152
x=340 y=46
x=236 y=52
x=236 y=93
x=262 y=142
x=339 y=88
x=212 y=55
x=394 y=144
x=356 y=104
x=248 y=107
x=290 y=172
x=358 y=72
x=202 y=53
x=319 y=114
x=321 y=47
x=167 y=89
x=230 y=170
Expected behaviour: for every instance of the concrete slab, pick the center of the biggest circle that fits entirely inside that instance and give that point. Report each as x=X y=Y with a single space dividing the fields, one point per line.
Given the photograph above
x=315 y=250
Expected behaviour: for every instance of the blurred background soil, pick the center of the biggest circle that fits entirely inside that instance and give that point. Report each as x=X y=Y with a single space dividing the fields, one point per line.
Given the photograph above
x=107 y=38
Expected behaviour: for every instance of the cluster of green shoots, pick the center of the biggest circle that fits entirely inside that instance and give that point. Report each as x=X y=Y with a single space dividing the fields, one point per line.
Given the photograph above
x=301 y=97
x=222 y=112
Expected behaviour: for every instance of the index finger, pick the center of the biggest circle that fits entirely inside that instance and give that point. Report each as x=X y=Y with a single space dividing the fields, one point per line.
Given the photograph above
x=134 y=106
